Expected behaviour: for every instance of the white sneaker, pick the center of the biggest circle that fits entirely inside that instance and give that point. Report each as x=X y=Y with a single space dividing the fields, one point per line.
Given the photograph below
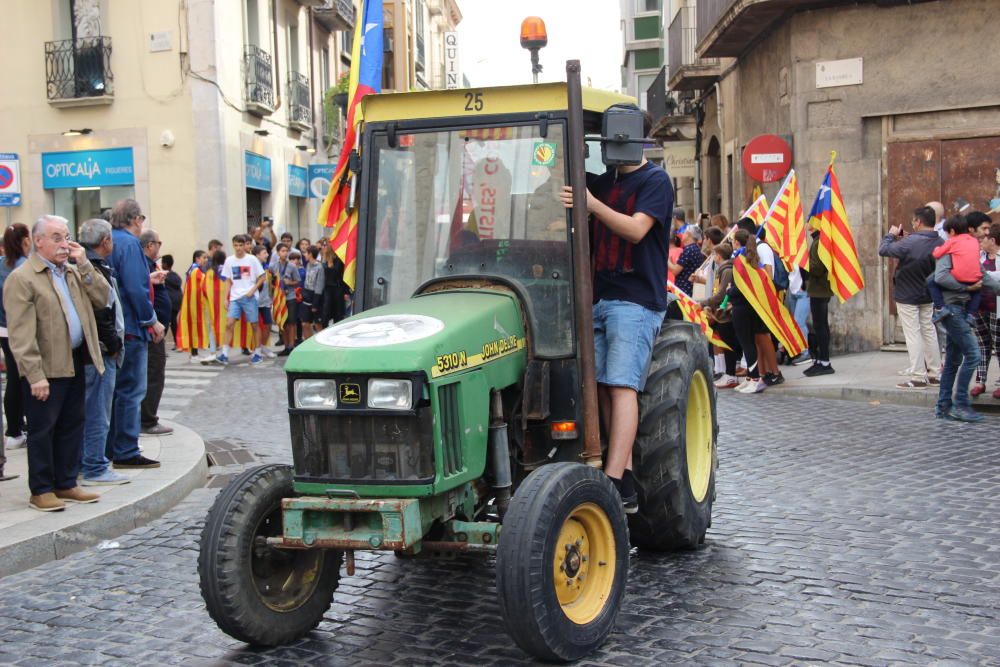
x=726 y=382
x=756 y=387
x=745 y=387
x=196 y=360
x=268 y=352
x=15 y=442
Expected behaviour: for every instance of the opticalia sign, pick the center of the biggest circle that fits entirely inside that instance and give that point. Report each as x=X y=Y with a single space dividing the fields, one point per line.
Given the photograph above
x=296 y=181
x=76 y=169
x=258 y=171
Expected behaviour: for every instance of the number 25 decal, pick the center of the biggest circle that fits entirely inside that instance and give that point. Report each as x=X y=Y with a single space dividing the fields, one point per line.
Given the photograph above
x=474 y=101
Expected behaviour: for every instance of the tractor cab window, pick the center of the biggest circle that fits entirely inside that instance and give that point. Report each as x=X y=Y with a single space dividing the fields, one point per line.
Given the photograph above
x=478 y=202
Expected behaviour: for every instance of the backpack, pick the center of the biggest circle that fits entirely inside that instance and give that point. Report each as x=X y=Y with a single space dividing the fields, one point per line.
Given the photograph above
x=780 y=274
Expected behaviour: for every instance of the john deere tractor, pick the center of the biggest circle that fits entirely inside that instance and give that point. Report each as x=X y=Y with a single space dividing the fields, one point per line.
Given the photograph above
x=457 y=411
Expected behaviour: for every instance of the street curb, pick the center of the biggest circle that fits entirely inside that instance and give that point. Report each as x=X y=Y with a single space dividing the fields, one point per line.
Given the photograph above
x=919 y=398
x=152 y=493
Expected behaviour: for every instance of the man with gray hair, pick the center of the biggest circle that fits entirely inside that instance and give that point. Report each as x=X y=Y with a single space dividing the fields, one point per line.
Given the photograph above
x=141 y=326
x=95 y=236
x=53 y=334
x=156 y=359
x=690 y=259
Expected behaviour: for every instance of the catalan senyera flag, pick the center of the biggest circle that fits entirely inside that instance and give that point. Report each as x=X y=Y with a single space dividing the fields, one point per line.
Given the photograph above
x=695 y=314
x=836 y=247
x=366 y=78
x=192 y=326
x=279 y=304
x=786 y=225
x=217 y=300
x=245 y=332
x=758 y=288
x=757 y=211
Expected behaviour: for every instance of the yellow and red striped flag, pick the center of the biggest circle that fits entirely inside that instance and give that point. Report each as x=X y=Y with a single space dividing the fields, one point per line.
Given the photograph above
x=366 y=78
x=245 y=332
x=757 y=211
x=786 y=225
x=836 y=247
x=754 y=283
x=279 y=304
x=192 y=326
x=217 y=300
x=695 y=314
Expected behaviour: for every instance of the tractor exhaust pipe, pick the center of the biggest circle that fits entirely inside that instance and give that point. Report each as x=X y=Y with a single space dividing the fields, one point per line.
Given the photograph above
x=499 y=454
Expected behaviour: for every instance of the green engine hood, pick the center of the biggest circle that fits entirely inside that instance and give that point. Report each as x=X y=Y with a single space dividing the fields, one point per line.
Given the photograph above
x=442 y=334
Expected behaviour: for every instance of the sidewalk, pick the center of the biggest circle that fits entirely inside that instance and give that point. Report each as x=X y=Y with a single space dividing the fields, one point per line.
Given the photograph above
x=872 y=376
x=29 y=538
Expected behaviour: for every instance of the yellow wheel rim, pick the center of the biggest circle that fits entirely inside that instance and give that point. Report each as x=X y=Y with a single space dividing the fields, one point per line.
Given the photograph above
x=698 y=437
x=583 y=566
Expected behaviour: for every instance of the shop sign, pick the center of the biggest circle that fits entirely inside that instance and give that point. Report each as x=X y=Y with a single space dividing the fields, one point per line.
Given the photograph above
x=320 y=177
x=835 y=73
x=80 y=169
x=296 y=181
x=258 y=171
x=678 y=158
x=10 y=180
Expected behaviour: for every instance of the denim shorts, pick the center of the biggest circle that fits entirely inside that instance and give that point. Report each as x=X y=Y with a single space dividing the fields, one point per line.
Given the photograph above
x=246 y=305
x=624 y=333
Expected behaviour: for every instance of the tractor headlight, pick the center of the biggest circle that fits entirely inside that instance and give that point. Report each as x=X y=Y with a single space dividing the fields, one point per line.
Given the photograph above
x=315 y=394
x=386 y=394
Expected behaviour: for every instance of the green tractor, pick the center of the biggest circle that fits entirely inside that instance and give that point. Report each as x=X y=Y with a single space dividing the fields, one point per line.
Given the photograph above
x=456 y=412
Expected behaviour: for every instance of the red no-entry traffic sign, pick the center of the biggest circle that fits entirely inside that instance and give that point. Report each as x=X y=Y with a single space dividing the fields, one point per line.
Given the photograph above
x=767 y=158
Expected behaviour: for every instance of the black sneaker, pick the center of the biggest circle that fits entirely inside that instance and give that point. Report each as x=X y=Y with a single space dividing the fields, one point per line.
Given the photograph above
x=137 y=461
x=245 y=351
x=631 y=504
x=819 y=369
x=284 y=353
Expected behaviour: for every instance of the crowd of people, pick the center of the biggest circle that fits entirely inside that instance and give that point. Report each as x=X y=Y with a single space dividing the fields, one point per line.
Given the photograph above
x=91 y=318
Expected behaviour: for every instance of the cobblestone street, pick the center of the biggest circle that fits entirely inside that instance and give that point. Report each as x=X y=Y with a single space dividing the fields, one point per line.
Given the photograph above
x=843 y=532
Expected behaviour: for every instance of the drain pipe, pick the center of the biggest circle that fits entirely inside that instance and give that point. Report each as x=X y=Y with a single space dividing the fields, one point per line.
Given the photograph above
x=499 y=454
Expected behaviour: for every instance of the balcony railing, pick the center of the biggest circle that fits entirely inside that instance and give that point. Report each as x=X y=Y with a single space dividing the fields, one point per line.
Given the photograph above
x=79 y=70
x=336 y=14
x=299 y=105
x=259 y=81
x=420 y=62
x=682 y=38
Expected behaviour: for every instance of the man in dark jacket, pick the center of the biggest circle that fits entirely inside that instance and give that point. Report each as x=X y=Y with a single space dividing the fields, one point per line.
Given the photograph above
x=156 y=361
x=913 y=301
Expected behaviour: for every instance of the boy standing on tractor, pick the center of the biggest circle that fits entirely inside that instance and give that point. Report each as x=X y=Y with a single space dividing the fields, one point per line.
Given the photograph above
x=630 y=212
x=245 y=275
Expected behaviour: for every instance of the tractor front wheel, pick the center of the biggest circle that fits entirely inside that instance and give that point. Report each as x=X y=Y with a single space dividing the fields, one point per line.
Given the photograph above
x=562 y=561
x=254 y=592
x=674 y=456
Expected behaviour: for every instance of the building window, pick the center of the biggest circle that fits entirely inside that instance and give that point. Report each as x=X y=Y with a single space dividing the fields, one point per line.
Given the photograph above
x=648 y=58
x=647 y=6
x=346 y=44
x=643 y=82
x=646 y=27
x=324 y=68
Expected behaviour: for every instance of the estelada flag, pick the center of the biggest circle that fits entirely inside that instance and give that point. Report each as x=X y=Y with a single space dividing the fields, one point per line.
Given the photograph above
x=758 y=288
x=836 y=247
x=786 y=226
x=695 y=314
x=192 y=325
x=757 y=211
x=366 y=78
x=279 y=304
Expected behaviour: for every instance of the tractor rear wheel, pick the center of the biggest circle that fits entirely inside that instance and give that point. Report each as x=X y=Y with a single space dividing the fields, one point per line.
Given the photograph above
x=254 y=592
x=562 y=561
x=674 y=456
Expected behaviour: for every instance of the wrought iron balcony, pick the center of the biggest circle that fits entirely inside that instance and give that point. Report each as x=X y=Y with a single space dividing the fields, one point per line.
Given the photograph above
x=258 y=80
x=78 y=72
x=687 y=70
x=299 y=104
x=335 y=14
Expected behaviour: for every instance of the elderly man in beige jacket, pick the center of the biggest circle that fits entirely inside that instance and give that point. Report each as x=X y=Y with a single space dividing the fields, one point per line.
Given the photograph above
x=53 y=335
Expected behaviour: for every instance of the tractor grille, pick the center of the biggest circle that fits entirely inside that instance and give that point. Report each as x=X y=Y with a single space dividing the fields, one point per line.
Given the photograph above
x=363 y=448
x=451 y=429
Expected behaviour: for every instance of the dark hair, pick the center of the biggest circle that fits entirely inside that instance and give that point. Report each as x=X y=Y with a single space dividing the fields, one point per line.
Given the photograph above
x=280 y=246
x=167 y=262
x=957 y=223
x=994 y=232
x=714 y=235
x=749 y=242
x=976 y=218
x=314 y=251
x=287 y=235
x=678 y=214
x=13 y=242
x=239 y=238
x=926 y=216
x=218 y=259
x=198 y=254
x=723 y=250
x=214 y=242
x=257 y=248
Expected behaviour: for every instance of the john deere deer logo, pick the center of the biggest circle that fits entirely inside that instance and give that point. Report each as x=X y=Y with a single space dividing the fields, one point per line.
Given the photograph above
x=350 y=393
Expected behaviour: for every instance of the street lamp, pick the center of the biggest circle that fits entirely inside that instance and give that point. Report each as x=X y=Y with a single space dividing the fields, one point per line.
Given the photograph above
x=533 y=37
